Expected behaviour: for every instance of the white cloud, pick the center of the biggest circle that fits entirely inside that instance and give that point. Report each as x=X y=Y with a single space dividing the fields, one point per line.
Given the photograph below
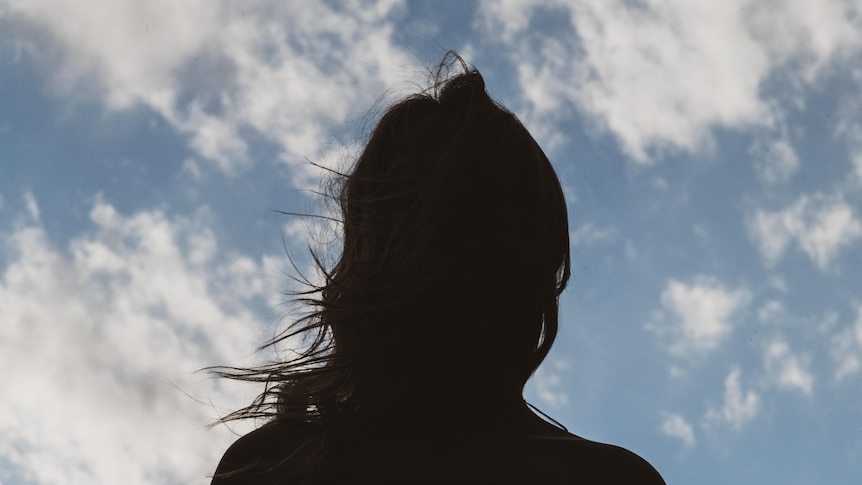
x=807 y=33
x=663 y=74
x=775 y=162
x=512 y=15
x=739 y=407
x=786 y=370
x=130 y=47
x=675 y=426
x=777 y=283
x=94 y=336
x=847 y=349
x=630 y=251
x=821 y=226
x=772 y=312
x=857 y=167
x=549 y=382
x=218 y=70
x=588 y=234
x=849 y=130
x=31 y=205
x=698 y=316
x=216 y=139
x=192 y=169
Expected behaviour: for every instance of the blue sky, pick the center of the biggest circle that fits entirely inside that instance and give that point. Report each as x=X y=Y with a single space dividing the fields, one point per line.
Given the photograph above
x=711 y=153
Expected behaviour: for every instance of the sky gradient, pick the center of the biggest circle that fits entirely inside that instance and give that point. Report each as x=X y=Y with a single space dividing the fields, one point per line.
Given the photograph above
x=711 y=154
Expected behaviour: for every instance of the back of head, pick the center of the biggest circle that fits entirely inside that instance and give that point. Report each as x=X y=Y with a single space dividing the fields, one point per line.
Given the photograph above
x=445 y=295
x=455 y=248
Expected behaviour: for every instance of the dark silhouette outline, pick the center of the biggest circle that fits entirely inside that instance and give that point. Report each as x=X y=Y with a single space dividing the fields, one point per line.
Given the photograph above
x=443 y=303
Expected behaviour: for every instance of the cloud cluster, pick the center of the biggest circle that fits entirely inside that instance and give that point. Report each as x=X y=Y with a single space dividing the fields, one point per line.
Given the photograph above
x=784 y=368
x=819 y=225
x=697 y=317
x=219 y=70
x=655 y=74
x=99 y=341
x=663 y=74
x=739 y=406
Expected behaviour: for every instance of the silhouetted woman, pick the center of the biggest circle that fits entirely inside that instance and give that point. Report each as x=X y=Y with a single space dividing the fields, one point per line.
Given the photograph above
x=442 y=304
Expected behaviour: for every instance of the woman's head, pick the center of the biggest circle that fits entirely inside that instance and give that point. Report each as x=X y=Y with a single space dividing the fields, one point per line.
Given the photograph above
x=455 y=250
x=455 y=241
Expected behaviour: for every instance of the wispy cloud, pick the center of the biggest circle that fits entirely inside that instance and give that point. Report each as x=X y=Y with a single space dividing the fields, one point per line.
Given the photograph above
x=774 y=161
x=676 y=426
x=739 y=406
x=847 y=349
x=98 y=338
x=772 y=312
x=588 y=233
x=821 y=226
x=550 y=384
x=696 y=317
x=32 y=206
x=786 y=369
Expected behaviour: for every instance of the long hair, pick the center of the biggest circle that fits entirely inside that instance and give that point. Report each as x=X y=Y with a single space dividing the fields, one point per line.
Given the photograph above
x=455 y=250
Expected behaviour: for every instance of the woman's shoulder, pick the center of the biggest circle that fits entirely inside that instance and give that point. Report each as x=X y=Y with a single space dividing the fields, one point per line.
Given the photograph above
x=547 y=457
x=581 y=460
x=264 y=450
